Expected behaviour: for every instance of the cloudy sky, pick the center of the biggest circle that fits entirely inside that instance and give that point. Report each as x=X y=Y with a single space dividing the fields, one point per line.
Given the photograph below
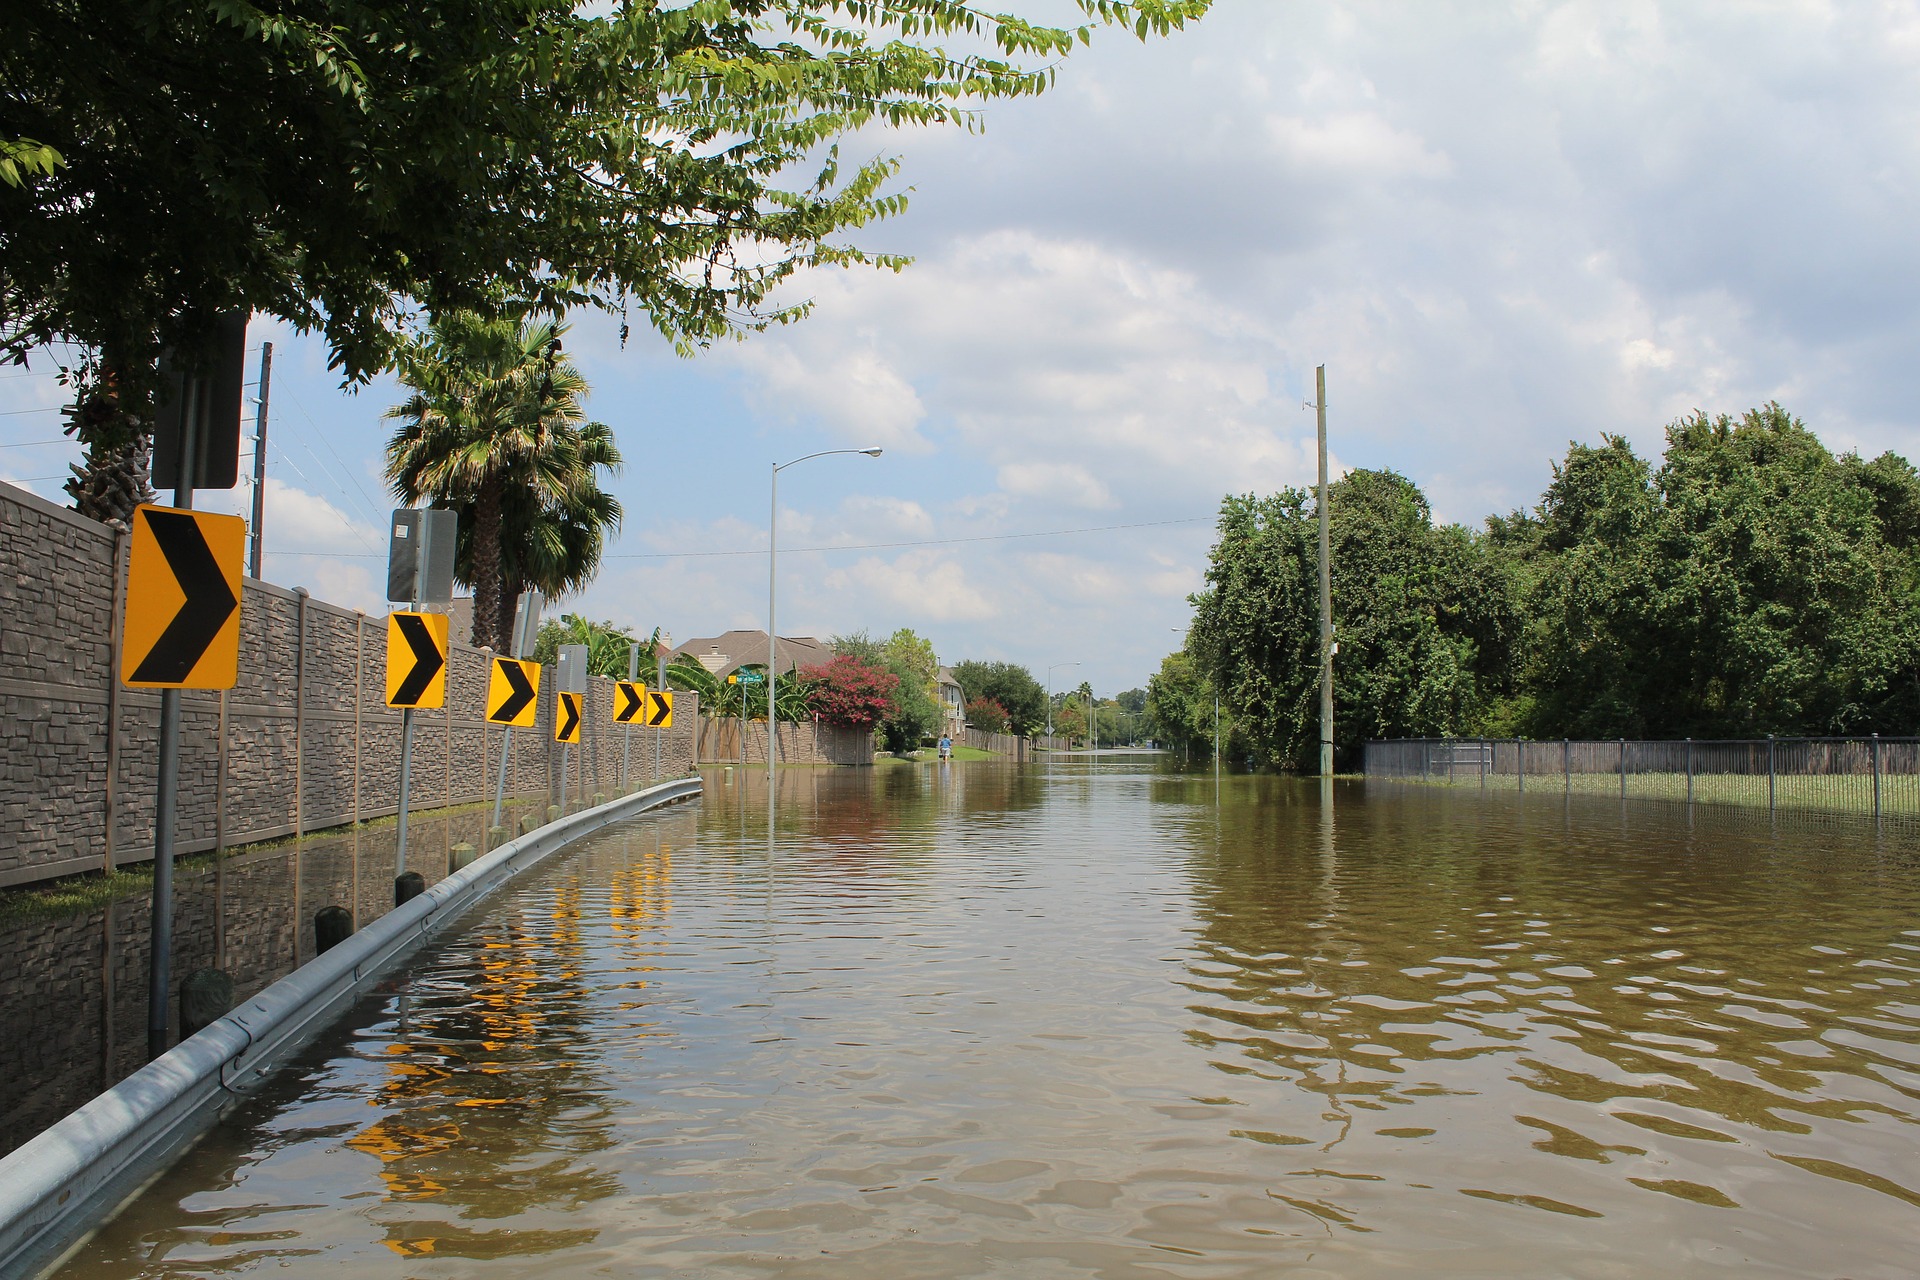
x=1500 y=227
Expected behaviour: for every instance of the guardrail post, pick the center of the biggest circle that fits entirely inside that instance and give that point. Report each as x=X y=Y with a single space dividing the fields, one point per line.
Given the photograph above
x=1876 y=776
x=1689 y=770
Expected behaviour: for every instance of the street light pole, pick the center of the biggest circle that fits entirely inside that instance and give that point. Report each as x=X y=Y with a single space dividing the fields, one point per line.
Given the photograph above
x=773 y=541
x=1050 y=670
x=1326 y=584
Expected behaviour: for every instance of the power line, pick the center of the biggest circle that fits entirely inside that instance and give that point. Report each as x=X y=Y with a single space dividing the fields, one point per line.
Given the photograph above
x=857 y=546
x=34 y=444
x=919 y=542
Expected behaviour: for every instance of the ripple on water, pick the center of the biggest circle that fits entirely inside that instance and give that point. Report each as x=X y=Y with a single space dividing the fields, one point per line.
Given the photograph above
x=988 y=1020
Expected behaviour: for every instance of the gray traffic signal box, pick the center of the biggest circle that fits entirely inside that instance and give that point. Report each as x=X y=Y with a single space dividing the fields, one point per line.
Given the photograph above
x=420 y=554
x=570 y=672
x=204 y=391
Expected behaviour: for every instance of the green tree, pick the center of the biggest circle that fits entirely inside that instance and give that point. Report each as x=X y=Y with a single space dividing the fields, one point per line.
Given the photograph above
x=1180 y=707
x=339 y=163
x=1754 y=584
x=914 y=712
x=1010 y=685
x=495 y=429
x=795 y=693
x=607 y=643
x=1425 y=619
x=555 y=546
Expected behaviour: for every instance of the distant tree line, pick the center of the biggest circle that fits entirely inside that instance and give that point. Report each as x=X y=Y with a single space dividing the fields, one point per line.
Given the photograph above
x=1752 y=583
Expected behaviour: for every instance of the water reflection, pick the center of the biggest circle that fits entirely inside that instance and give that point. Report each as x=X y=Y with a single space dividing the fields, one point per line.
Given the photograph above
x=1099 y=1020
x=1684 y=1016
x=73 y=1002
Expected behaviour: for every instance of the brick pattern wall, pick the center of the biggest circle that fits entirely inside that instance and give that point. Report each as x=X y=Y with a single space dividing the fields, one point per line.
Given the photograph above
x=310 y=742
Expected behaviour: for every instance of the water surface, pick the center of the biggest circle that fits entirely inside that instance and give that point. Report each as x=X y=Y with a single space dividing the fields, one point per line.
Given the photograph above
x=1107 y=1021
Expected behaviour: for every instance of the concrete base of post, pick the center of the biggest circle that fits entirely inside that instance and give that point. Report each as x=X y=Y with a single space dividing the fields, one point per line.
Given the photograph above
x=206 y=996
x=331 y=927
x=461 y=856
x=496 y=836
x=529 y=822
x=599 y=798
x=407 y=886
x=554 y=814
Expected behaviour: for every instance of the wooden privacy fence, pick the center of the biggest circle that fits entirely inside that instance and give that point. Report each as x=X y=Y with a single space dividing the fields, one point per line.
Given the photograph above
x=726 y=740
x=1872 y=775
x=1010 y=745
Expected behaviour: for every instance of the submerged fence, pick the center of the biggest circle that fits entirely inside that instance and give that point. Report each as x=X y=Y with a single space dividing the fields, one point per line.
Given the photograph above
x=1872 y=775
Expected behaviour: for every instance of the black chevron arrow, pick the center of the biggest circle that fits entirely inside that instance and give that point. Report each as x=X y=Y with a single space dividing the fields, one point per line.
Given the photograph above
x=426 y=660
x=517 y=700
x=661 y=708
x=570 y=705
x=209 y=600
x=631 y=704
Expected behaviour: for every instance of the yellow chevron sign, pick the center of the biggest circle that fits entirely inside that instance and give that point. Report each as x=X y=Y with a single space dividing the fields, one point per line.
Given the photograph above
x=567 y=717
x=182 y=628
x=417 y=660
x=629 y=702
x=513 y=692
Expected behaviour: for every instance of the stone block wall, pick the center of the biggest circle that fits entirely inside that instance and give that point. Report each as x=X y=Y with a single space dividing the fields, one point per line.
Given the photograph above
x=308 y=739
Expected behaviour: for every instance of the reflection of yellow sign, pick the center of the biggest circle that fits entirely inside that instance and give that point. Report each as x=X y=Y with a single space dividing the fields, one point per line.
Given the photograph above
x=182 y=628
x=511 y=692
x=566 y=718
x=660 y=708
x=417 y=660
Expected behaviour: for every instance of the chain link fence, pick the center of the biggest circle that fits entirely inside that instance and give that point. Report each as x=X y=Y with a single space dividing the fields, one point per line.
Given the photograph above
x=1873 y=775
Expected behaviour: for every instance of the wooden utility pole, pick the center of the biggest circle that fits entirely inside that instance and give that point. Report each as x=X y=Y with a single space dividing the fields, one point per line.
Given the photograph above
x=260 y=460
x=1326 y=585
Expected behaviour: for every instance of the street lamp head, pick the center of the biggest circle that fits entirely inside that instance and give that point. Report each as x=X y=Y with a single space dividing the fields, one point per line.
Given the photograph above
x=872 y=453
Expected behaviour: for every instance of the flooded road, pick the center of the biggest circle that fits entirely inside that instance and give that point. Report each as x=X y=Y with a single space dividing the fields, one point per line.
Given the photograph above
x=1107 y=1021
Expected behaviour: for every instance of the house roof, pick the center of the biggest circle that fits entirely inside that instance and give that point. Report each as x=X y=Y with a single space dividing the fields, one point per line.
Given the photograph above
x=945 y=676
x=736 y=649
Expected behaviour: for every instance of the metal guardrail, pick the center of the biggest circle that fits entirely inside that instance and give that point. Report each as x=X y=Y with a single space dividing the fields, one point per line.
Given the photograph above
x=60 y=1184
x=1872 y=775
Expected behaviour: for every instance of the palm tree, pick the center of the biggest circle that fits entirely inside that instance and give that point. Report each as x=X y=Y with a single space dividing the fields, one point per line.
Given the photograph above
x=495 y=429
x=557 y=547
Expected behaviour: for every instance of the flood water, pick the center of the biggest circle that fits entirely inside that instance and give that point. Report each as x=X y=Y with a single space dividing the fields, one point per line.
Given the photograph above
x=1109 y=1021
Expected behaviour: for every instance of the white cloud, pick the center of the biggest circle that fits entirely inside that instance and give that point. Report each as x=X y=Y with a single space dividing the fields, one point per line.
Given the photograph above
x=1357 y=141
x=854 y=390
x=925 y=586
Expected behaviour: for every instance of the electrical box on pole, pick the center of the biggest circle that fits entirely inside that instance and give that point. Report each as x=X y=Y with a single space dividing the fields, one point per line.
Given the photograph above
x=420 y=554
x=199 y=411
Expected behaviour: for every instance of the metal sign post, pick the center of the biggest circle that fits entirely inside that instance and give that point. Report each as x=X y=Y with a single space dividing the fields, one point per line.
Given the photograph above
x=526 y=623
x=660 y=682
x=626 y=749
x=570 y=677
x=194 y=446
x=420 y=557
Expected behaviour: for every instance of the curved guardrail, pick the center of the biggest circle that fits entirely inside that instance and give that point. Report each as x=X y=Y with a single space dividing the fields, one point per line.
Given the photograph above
x=60 y=1184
